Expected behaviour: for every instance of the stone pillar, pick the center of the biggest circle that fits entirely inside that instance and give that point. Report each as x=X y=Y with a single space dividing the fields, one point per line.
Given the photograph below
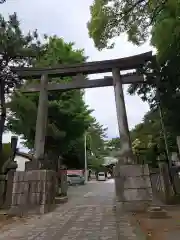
x=126 y=148
x=9 y=188
x=63 y=182
x=132 y=181
x=41 y=124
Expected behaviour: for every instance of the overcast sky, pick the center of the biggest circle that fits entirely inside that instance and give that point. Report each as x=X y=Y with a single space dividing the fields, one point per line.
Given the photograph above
x=67 y=19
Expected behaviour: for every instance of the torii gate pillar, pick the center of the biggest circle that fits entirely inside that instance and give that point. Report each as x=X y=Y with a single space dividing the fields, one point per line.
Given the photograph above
x=126 y=148
x=132 y=181
x=41 y=126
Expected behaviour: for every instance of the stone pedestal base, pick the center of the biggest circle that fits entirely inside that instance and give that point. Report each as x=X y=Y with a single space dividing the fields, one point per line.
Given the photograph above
x=133 y=187
x=157 y=212
x=33 y=192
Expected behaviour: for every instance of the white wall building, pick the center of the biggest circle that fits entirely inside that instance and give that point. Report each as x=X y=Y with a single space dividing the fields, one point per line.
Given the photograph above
x=110 y=160
x=21 y=159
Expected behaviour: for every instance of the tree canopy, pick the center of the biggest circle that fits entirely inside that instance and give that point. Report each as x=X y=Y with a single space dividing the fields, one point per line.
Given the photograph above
x=163 y=79
x=114 y=143
x=68 y=115
x=147 y=140
x=159 y=22
x=16 y=49
x=110 y=18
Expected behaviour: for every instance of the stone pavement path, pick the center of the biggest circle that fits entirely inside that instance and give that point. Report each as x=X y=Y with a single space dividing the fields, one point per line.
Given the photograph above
x=86 y=217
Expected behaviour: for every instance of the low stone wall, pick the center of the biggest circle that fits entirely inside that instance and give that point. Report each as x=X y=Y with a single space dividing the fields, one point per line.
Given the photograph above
x=33 y=192
x=133 y=186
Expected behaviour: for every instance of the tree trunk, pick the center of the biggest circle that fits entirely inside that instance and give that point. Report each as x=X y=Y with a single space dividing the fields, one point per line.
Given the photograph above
x=2 y=111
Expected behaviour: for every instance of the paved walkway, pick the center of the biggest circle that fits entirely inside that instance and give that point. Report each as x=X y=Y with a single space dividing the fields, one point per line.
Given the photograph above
x=87 y=216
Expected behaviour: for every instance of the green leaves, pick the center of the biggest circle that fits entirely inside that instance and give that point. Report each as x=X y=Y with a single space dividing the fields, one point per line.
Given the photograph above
x=16 y=49
x=68 y=115
x=134 y=17
x=166 y=31
x=102 y=26
x=141 y=19
x=146 y=139
x=113 y=144
x=58 y=52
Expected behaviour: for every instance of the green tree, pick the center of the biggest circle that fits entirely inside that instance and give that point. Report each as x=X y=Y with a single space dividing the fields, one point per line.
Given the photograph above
x=114 y=143
x=140 y=20
x=94 y=146
x=148 y=139
x=110 y=18
x=96 y=163
x=163 y=80
x=113 y=146
x=16 y=49
x=167 y=41
x=68 y=116
x=95 y=136
x=162 y=88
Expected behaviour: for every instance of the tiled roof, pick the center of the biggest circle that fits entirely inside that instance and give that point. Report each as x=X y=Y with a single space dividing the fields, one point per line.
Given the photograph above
x=25 y=155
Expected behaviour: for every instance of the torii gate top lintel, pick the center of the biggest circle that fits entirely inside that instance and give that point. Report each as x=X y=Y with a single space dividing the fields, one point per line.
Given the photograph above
x=127 y=63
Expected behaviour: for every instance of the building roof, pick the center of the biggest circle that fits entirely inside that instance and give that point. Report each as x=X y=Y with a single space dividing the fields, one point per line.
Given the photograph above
x=109 y=161
x=29 y=156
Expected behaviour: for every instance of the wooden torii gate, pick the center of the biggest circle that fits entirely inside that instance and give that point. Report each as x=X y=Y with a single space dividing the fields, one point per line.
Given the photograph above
x=77 y=71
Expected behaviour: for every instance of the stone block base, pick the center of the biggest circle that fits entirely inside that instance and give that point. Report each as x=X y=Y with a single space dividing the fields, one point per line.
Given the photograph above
x=157 y=212
x=133 y=187
x=135 y=206
x=33 y=192
x=30 y=210
x=59 y=200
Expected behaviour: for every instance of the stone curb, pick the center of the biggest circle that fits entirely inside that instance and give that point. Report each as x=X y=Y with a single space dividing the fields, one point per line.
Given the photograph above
x=59 y=200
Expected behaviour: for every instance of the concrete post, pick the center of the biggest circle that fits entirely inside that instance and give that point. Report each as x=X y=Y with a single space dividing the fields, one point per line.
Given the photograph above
x=41 y=122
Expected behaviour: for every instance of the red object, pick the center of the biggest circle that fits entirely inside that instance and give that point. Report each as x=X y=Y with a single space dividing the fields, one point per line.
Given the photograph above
x=79 y=172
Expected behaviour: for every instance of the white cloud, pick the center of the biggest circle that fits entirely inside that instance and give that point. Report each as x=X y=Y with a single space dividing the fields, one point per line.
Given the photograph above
x=68 y=19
